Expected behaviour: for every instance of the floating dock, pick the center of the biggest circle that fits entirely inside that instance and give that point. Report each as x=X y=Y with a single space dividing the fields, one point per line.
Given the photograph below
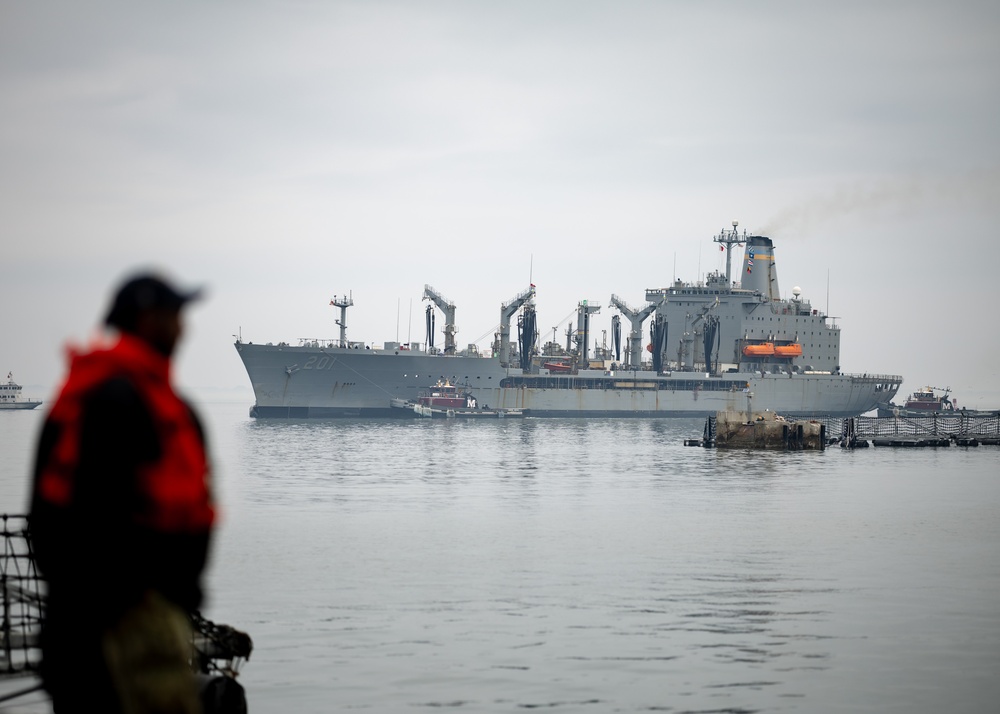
x=760 y=430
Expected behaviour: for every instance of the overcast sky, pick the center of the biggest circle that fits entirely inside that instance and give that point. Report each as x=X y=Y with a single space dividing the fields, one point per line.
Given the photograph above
x=282 y=153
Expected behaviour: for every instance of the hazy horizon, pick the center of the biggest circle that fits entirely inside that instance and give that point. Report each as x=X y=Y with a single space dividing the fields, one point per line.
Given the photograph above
x=280 y=154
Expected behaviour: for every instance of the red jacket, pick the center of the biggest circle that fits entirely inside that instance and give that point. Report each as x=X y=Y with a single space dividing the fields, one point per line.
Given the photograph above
x=174 y=495
x=121 y=506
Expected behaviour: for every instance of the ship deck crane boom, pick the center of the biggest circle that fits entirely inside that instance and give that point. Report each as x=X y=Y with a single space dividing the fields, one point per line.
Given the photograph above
x=448 y=308
x=507 y=311
x=584 y=310
x=686 y=355
x=636 y=317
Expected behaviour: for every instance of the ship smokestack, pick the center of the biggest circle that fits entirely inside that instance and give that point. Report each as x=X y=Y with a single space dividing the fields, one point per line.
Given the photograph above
x=759 y=271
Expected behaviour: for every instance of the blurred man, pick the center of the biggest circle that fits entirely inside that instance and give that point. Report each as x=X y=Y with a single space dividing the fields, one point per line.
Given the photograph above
x=121 y=517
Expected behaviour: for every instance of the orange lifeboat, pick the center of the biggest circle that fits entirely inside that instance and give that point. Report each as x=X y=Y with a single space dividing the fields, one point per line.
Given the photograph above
x=764 y=349
x=792 y=350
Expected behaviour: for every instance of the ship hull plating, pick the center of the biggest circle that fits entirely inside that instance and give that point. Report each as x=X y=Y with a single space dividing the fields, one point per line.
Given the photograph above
x=299 y=382
x=18 y=406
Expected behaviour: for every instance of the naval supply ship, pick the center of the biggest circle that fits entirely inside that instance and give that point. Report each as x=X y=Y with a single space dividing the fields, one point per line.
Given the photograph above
x=720 y=344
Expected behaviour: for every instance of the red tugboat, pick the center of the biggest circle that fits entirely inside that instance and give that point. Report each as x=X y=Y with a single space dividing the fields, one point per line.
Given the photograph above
x=931 y=401
x=925 y=401
x=446 y=395
x=447 y=400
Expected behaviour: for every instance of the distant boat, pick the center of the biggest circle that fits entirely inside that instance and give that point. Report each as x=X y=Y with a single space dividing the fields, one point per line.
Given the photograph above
x=448 y=400
x=445 y=394
x=10 y=396
x=925 y=402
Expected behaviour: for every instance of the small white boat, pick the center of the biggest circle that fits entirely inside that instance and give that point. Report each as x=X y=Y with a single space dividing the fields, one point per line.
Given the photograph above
x=10 y=396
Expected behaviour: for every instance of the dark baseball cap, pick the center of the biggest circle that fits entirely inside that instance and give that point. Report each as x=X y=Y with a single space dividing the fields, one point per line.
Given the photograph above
x=146 y=292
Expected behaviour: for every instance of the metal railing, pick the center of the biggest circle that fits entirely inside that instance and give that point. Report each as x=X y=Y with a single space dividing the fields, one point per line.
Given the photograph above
x=21 y=599
x=934 y=425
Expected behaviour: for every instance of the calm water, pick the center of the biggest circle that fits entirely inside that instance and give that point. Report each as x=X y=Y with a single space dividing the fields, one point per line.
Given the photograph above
x=593 y=566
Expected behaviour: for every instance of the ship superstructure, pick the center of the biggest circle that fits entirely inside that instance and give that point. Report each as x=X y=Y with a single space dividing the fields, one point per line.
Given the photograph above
x=719 y=344
x=722 y=325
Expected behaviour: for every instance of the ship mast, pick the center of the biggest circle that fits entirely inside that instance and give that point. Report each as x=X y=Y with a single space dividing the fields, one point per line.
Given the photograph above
x=728 y=239
x=343 y=303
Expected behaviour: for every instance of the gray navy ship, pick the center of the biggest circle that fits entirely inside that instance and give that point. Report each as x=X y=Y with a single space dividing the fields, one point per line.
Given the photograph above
x=692 y=350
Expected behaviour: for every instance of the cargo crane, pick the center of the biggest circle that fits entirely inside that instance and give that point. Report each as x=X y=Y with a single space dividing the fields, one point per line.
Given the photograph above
x=507 y=311
x=448 y=308
x=685 y=352
x=583 y=312
x=633 y=357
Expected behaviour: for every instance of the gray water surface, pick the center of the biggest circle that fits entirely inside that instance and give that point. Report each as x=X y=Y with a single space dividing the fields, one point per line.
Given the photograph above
x=595 y=566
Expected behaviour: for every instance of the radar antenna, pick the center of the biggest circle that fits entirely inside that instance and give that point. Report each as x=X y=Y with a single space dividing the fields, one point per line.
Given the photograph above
x=728 y=239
